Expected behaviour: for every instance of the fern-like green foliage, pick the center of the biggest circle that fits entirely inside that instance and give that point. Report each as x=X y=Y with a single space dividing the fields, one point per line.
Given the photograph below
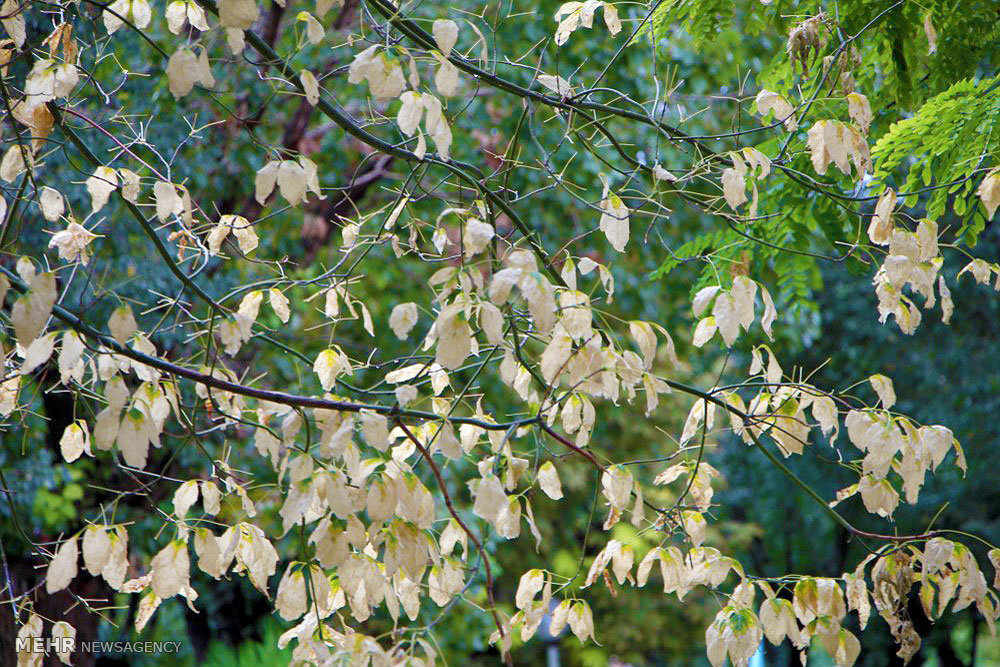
x=251 y=653
x=689 y=251
x=701 y=18
x=704 y=19
x=929 y=71
x=951 y=139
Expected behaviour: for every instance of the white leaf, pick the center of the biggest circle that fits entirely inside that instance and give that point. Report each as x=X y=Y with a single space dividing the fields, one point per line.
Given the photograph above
x=726 y=317
x=51 y=203
x=445 y=35
x=100 y=186
x=644 y=336
x=265 y=180
x=210 y=497
x=279 y=304
x=611 y=19
x=96 y=549
x=615 y=221
x=476 y=237
x=170 y=570
x=291 y=601
x=328 y=366
x=548 y=481
x=239 y=14
x=314 y=29
x=557 y=85
x=883 y=387
x=292 y=181
x=446 y=78
x=63 y=567
x=133 y=440
x=768 y=101
x=859 y=110
x=75 y=441
x=989 y=192
x=703 y=298
x=65 y=636
x=375 y=428
x=824 y=410
x=167 y=201
x=770 y=314
x=185 y=496
x=454 y=337
x=529 y=585
x=310 y=86
x=183 y=71
x=402 y=319
x=122 y=324
x=491 y=322
x=734 y=188
x=38 y=352
x=880 y=228
x=410 y=112
x=704 y=331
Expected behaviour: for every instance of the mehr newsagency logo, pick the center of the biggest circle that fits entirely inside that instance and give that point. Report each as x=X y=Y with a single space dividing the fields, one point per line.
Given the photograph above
x=64 y=645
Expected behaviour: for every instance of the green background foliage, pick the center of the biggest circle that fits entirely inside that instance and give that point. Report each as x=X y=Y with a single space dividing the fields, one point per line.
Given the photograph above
x=937 y=122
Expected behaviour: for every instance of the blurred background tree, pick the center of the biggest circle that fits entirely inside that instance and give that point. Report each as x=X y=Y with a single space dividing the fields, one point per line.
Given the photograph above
x=711 y=58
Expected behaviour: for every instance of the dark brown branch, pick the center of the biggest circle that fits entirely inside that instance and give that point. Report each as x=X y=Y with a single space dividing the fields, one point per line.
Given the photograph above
x=472 y=536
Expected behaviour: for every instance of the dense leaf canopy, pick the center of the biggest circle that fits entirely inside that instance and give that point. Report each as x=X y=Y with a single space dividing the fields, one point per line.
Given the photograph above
x=367 y=332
